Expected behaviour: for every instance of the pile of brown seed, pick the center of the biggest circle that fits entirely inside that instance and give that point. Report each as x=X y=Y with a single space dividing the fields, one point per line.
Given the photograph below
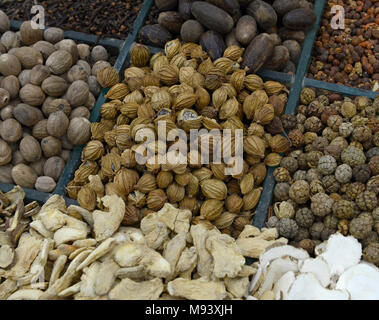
x=329 y=181
x=183 y=89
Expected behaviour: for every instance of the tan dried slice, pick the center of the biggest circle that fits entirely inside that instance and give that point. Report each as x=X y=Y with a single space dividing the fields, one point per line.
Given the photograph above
x=86 y=215
x=155 y=265
x=134 y=273
x=78 y=251
x=67 y=234
x=38 y=226
x=227 y=257
x=254 y=247
x=52 y=219
x=84 y=243
x=6 y=256
x=130 y=290
x=237 y=286
x=175 y=219
x=106 y=223
x=25 y=253
x=129 y=254
x=26 y=294
x=155 y=231
x=7 y=288
x=100 y=251
x=88 y=279
x=199 y=289
x=59 y=264
x=107 y=277
x=70 y=290
x=173 y=251
x=65 y=281
x=186 y=263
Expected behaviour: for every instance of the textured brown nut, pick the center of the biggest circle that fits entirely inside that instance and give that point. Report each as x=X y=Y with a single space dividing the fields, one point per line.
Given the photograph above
x=32 y=95
x=51 y=146
x=87 y=198
x=4 y=97
x=29 y=57
x=40 y=129
x=9 y=65
x=5 y=153
x=246 y=30
x=55 y=105
x=299 y=19
x=11 y=130
x=191 y=31
x=53 y=35
x=263 y=13
x=220 y=21
x=79 y=131
x=77 y=93
x=57 y=124
x=54 y=167
x=12 y=85
x=29 y=35
x=108 y=77
x=45 y=184
x=45 y=48
x=27 y=115
x=59 y=62
x=24 y=176
x=54 y=86
x=30 y=149
x=69 y=46
x=80 y=112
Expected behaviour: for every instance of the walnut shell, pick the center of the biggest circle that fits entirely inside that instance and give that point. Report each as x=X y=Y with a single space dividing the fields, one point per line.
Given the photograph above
x=32 y=95
x=77 y=93
x=30 y=149
x=24 y=176
x=54 y=167
x=51 y=146
x=45 y=184
x=79 y=131
x=54 y=86
x=57 y=124
x=27 y=115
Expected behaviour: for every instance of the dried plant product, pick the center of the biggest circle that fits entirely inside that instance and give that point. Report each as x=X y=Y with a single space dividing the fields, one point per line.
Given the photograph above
x=184 y=89
x=327 y=174
x=46 y=98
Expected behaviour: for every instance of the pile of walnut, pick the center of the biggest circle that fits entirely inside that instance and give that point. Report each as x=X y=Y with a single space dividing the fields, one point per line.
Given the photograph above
x=183 y=89
x=337 y=273
x=329 y=181
x=48 y=86
x=54 y=252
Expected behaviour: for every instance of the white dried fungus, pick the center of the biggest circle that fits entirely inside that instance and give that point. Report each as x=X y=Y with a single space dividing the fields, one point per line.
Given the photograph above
x=337 y=273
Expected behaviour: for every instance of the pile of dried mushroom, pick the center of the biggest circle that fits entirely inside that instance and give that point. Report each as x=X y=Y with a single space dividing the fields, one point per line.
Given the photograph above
x=183 y=89
x=329 y=181
x=54 y=252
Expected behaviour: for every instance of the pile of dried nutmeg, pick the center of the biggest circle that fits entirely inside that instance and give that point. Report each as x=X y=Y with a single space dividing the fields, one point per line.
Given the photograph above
x=329 y=181
x=184 y=91
x=47 y=88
